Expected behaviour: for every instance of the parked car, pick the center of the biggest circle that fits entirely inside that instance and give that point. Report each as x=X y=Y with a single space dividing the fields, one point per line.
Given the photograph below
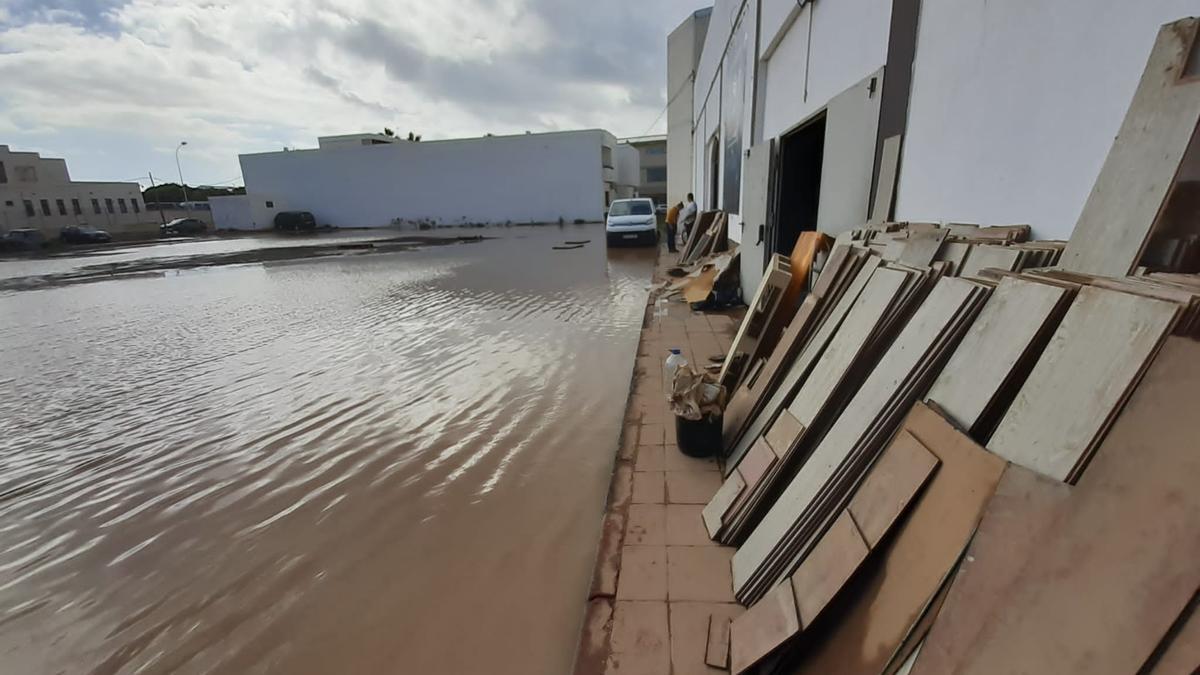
x=73 y=234
x=631 y=221
x=183 y=226
x=295 y=221
x=24 y=239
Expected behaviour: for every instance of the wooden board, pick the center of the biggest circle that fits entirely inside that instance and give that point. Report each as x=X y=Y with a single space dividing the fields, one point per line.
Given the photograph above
x=1141 y=167
x=1117 y=568
x=763 y=628
x=893 y=482
x=832 y=563
x=747 y=341
x=1179 y=654
x=1013 y=322
x=1082 y=378
x=923 y=249
x=1022 y=509
x=885 y=189
x=782 y=432
x=881 y=613
x=716 y=651
x=802 y=365
x=726 y=495
x=982 y=257
x=940 y=309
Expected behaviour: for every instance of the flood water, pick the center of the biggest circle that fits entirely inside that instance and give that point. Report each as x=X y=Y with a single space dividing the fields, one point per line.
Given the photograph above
x=390 y=463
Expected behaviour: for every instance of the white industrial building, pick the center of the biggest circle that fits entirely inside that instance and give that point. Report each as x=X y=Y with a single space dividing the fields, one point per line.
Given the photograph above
x=372 y=180
x=37 y=192
x=1005 y=110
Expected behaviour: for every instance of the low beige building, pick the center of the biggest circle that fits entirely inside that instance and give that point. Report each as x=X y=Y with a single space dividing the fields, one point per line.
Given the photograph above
x=652 y=167
x=37 y=192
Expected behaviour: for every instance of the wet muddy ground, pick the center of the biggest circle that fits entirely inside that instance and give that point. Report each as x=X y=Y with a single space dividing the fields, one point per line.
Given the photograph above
x=383 y=463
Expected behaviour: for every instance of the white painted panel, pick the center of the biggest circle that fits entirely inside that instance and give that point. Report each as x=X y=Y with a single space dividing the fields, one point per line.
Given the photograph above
x=1015 y=105
x=849 y=156
x=849 y=42
x=754 y=215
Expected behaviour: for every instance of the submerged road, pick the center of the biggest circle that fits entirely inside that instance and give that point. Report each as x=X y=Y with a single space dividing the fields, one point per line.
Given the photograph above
x=386 y=463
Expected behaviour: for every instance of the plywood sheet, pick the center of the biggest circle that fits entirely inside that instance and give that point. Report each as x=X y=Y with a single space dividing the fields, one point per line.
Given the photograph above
x=718 y=506
x=1022 y=509
x=940 y=309
x=763 y=628
x=1140 y=168
x=894 y=480
x=1119 y=565
x=885 y=189
x=916 y=560
x=1010 y=322
x=982 y=257
x=834 y=560
x=716 y=652
x=1181 y=652
x=922 y=249
x=783 y=432
x=1083 y=376
x=758 y=462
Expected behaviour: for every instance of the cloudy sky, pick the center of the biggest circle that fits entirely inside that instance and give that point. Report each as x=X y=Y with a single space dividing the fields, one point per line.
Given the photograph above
x=114 y=85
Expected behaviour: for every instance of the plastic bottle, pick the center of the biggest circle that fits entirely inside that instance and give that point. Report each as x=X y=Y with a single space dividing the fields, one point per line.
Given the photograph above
x=675 y=361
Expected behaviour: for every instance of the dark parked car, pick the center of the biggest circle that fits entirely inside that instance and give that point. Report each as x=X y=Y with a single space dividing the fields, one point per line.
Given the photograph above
x=184 y=226
x=25 y=239
x=73 y=234
x=294 y=221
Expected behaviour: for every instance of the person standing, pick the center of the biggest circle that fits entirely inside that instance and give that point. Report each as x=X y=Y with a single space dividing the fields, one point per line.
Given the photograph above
x=672 y=225
x=688 y=216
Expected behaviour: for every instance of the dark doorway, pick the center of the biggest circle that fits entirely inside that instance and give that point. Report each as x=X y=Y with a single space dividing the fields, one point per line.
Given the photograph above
x=801 y=153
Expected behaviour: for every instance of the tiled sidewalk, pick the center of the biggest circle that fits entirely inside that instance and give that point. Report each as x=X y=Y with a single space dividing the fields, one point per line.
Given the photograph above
x=658 y=577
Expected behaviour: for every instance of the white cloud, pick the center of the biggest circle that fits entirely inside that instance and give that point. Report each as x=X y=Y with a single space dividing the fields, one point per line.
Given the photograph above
x=244 y=77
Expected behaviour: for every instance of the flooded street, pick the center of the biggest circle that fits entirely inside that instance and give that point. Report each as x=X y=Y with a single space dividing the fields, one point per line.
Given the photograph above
x=387 y=463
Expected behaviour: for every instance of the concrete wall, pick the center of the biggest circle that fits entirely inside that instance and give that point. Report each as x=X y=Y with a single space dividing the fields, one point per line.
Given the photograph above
x=46 y=185
x=527 y=177
x=1015 y=106
x=683 y=51
x=628 y=170
x=231 y=213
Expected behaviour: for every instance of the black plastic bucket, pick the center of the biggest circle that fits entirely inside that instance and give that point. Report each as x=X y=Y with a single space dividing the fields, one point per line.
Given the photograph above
x=699 y=438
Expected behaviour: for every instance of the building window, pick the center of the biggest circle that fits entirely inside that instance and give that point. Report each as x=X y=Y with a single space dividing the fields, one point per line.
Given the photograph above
x=29 y=209
x=45 y=207
x=76 y=207
x=62 y=207
x=8 y=202
x=121 y=203
x=136 y=208
x=108 y=205
x=26 y=174
x=96 y=206
x=3 y=176
x=656 y=174
x=270 y=204
x=656 y=150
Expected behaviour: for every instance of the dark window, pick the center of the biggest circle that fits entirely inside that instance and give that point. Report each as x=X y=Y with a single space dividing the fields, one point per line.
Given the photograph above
x=270 y=204
x=136 y=208
x=121 y=203
x=96 y=206
x=29 y=209
x=45 y=207
x=76 y=207
x=108 y=205
x=3 y=175
x=656 y=174
x=62 y=207
x=8 y=203
x=657 y=150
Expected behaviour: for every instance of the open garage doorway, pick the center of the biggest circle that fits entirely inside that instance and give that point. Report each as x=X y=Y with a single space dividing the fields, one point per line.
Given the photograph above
x=801 y=154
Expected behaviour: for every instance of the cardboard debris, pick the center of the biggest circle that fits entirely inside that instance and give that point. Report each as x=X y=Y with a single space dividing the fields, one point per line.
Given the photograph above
x=695 y=395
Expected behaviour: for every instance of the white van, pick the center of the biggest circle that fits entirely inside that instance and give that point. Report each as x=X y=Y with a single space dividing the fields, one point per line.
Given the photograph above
x=632 y=221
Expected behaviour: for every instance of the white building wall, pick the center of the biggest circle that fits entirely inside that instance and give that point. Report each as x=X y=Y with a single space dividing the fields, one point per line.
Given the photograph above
x=683 y=50
x=849 y=43
x=1015 y=105
x=522 y=178
x=231 y=213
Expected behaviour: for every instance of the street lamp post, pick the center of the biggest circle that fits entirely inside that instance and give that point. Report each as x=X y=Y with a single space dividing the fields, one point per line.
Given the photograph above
x=182 y=185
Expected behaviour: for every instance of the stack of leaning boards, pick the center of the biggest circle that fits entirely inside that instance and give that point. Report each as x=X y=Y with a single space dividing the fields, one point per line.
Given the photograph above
x=836 y=465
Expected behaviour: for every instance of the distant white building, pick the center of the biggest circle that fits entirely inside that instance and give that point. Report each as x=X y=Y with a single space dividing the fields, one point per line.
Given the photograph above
x=37 y=192
x=372 y=180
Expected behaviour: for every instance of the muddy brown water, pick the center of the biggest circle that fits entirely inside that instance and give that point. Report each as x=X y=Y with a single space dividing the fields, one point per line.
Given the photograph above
x=393 y=463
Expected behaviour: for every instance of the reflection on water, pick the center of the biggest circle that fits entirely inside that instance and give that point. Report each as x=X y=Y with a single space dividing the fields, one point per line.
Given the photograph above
x=389 y=463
